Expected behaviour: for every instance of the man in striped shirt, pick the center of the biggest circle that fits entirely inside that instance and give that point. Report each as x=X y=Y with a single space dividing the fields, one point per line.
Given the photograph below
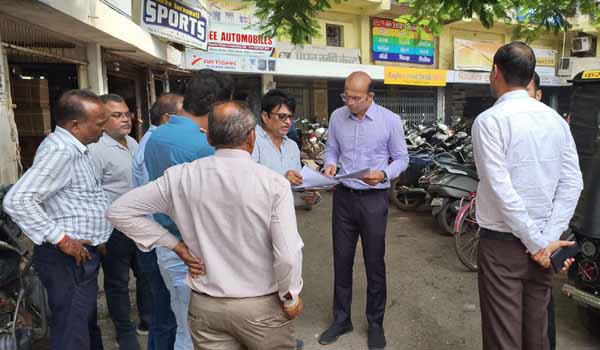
x=60 y=206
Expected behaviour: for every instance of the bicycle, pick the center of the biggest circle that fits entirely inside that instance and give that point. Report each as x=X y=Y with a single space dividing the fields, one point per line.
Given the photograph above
x=466 y=233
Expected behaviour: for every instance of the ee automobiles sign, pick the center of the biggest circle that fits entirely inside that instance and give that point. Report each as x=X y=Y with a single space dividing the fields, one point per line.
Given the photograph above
x=177 y=21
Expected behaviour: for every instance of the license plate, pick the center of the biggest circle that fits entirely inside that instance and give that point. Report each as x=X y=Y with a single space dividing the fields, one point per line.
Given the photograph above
x=436 y=202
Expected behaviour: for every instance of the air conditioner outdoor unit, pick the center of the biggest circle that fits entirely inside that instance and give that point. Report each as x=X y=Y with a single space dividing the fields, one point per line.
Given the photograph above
x=569 y=66
x=581 y=44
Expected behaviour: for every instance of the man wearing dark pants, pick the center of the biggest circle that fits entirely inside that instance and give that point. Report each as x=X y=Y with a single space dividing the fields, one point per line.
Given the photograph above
x=529 y=186
x=163 y=325
x=362 y=135
x=113 y=162
x=60 y=206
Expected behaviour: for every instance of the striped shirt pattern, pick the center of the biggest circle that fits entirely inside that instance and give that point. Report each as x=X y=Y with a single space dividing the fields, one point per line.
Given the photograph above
x=60 y=194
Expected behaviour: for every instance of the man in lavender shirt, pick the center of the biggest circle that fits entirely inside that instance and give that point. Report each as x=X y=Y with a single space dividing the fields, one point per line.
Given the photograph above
x=362 y=135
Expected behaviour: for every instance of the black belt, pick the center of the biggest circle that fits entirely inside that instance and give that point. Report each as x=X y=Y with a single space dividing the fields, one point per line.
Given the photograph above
x=485 y=233
x=90 y=248
x=361 y=191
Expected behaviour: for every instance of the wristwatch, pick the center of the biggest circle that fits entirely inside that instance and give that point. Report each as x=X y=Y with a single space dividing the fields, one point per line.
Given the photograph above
x=385 y=178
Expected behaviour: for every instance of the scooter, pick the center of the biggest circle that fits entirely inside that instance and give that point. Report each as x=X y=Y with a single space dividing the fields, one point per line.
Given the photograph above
x=447 y=187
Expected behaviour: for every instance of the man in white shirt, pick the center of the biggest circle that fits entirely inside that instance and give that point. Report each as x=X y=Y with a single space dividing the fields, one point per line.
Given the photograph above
x=530 y=183
x=240 y=238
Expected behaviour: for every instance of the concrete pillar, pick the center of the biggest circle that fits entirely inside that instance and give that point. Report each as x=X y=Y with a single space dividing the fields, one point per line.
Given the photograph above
x=96 y=70
x=267 y=83
x=441 y=96
x=365 y=39
x=10 y=161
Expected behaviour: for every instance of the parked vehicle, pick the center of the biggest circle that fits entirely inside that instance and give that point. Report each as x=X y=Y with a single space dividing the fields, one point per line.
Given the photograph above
x=466 y=233
x=24 y=311
x=451 y=184
x=584 y=275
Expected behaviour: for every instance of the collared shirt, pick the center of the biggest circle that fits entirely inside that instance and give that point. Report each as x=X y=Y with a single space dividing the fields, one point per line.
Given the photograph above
x=60 y=194
x=178 y=141
x=528 y=168
x=282 y=159
x=140 y=172
x=234 y=214
x=113 y=163
x=368 y=143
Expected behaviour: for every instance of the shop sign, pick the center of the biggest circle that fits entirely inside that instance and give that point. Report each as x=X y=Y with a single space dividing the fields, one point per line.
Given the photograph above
x=196 y=59
x=235 y=40
x=177 y=21
x=591 y=74
x=414 y=76
x=397 y=42
x=545 y=62
x=468 y=77
x=317 y=53
x=122 y=6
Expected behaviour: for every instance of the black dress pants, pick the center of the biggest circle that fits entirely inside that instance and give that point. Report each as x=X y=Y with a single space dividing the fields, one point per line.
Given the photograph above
x=359 y=214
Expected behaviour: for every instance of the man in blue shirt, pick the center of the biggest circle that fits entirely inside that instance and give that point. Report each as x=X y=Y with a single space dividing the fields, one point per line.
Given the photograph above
x=163 y=325
x=274 y=149
x=183 y=140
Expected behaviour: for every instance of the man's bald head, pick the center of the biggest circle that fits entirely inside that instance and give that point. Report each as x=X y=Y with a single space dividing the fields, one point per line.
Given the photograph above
x=359 y=82
x=358 y=93
x=230 y=124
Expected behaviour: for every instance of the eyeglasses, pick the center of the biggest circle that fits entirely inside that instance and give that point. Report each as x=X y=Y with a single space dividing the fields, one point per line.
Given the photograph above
x=120 y=115
x=283 y=116
x=347 y=98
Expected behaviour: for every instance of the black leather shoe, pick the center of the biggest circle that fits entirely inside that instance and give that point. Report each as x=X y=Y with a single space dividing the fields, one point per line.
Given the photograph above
x=299 y=344
x=334 y=331
x=376 y=340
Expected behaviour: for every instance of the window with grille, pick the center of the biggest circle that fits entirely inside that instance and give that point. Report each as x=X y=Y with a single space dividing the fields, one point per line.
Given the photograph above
x=414 y=106
x=335 y=35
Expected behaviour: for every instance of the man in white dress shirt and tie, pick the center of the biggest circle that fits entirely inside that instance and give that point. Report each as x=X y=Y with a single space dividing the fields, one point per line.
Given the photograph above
x=530 y=183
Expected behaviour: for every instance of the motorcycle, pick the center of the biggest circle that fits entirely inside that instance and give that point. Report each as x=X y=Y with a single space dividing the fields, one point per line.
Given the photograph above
x=24 y=310
x=451 y=183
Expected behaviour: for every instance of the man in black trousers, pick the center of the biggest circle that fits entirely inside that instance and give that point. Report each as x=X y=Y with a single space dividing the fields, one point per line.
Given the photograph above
x=362 y=135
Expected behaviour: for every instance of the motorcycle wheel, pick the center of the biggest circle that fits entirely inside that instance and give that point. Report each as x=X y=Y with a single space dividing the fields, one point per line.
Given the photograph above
x=404 y=200
x=466 y=242
x=445 y=218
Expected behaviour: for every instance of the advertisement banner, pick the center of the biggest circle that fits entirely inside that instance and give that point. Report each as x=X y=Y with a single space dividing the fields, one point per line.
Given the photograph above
x=196 y=59
x=232 y=30
x=479 y=56
x=414 y=76
x=474 y=55
x=396 y=42
x=177 y=21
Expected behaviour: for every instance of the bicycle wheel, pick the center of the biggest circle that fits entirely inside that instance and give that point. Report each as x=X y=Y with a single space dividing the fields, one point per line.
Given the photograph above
x=466 y=240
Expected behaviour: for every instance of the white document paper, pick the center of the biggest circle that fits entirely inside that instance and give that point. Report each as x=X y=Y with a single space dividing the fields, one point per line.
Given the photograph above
x=355 y=175
x=313 y=179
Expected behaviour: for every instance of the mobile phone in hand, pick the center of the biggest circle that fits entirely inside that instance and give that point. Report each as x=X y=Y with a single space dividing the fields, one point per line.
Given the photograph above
x=563 y=253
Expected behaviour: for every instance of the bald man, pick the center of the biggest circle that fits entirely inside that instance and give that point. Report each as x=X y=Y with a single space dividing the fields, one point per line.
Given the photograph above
x=362 y=135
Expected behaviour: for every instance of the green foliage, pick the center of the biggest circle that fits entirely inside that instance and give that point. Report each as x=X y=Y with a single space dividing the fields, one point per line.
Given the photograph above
x=293 y=18
x=530 y=17
x=297 y=18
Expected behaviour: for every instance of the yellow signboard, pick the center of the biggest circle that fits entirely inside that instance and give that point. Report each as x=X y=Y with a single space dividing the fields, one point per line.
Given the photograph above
x=414 y=76
x=591 y=74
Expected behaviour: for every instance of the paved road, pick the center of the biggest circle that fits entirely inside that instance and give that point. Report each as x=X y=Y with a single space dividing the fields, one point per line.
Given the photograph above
x=432 y=300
